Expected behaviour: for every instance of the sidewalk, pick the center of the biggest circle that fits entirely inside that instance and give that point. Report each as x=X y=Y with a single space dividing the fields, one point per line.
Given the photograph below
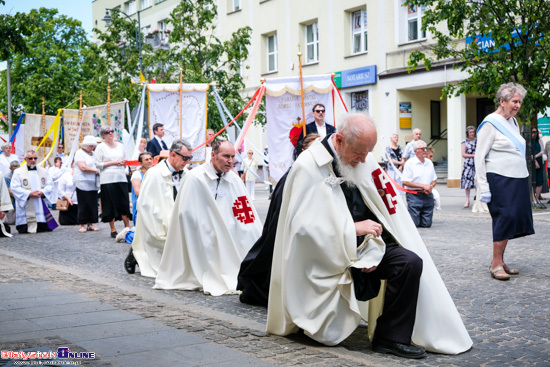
x=38 y=316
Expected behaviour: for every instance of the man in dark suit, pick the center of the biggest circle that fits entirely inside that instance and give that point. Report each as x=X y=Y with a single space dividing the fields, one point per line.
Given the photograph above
x=155 y=145
x=318 y=126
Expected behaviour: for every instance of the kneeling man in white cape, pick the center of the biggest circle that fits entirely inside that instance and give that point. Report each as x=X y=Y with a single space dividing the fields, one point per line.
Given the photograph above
x=154 y=207
x=327 y=261
x=213 y=227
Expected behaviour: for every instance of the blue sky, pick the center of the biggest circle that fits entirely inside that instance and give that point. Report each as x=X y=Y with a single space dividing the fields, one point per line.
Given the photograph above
x=78 y=9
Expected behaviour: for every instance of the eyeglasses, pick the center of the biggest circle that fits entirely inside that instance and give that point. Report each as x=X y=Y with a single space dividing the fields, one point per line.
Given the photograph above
x=320 y=111
x=184 y=157
x=31 y=158
x=109 y=132
x=424 y=149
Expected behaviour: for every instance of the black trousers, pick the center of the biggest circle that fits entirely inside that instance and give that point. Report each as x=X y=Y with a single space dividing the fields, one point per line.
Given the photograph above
x=401 y=269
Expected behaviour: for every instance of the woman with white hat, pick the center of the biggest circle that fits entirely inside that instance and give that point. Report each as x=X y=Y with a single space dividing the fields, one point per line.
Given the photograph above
x=86 y=181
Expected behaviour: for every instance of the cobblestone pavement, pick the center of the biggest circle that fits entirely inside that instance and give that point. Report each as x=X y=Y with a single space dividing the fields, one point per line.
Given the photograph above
x=509 y=322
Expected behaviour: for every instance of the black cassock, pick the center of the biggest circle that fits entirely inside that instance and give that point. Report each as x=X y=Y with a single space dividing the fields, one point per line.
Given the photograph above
x=255 y=273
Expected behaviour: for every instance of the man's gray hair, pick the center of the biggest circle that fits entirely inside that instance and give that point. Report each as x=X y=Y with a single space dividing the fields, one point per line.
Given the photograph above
x=178 y=144
x=508 y=90
x=15 y=164
x=416 y=144
x=29 y=151
x=6 y=145
x=105 y=130
x=351 y=132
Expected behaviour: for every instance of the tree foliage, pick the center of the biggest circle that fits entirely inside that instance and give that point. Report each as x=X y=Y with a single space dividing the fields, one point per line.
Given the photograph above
x=51 y=67
x=204 y=58
x=522 y=25
x=56 y=61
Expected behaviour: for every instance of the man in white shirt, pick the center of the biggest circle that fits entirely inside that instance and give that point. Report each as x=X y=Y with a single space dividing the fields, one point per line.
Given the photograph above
x=419 y=175
x=409 y=148
x=156 y=199
x=29 y=185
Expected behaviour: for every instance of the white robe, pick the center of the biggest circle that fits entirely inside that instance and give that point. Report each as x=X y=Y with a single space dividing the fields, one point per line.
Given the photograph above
x=311 y=287
x=208 y=237
x=5 y=200
x=21 y=194
x=154 y=206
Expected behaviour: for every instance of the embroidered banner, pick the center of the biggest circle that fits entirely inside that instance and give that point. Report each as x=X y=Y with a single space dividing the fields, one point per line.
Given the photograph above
x=93 y=118
x=34 y=132
x=284 y=115
x=165 y=106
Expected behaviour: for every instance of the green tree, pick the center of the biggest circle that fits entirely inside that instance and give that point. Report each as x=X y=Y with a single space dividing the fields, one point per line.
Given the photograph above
x=13 y=30
x=52 y=66
x=521 y=53
x=204 y=58
x=118 y=54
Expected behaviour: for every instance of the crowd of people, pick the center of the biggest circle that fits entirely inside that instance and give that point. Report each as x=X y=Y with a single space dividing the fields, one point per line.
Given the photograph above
x=317 y=261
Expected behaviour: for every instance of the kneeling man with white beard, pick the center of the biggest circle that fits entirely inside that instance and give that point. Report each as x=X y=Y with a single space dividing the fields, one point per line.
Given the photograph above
x=344 y=237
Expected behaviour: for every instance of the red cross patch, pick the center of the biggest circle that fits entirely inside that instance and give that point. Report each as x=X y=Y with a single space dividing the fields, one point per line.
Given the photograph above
x=242 y=210
x=385 y=190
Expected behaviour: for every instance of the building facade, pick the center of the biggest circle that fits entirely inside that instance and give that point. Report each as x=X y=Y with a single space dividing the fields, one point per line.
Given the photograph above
x=366 y=44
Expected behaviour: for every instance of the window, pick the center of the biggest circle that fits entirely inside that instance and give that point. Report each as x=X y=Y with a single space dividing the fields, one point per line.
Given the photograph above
x=131 y=7
x=359 y=31
x=162 y=29
x=271 y=46
x=312 y=43
x=236 y=5
x=146 y=3
x=360 y=101
x=414 y=22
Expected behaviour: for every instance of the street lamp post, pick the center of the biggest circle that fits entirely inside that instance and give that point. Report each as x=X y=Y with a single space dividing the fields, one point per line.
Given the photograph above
x=108 y=20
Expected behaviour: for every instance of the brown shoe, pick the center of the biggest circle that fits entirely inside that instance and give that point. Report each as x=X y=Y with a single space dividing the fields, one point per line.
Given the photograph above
x=500 y=276
x=509 y=270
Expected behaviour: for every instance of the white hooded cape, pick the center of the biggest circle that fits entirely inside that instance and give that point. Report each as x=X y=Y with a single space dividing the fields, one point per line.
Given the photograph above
x=154 y=205
x=208 y=237
x=311 y=287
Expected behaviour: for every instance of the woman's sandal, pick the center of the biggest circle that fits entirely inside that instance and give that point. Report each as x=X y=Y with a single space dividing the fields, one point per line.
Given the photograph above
x=82 y=230
x=93 y=229
x=509 y=270
x=499 y=276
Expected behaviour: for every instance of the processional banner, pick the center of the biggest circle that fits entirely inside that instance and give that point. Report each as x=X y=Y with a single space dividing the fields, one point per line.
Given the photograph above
x=36 y=126
x=284 y=115
x=165 y=103
x=93 y=119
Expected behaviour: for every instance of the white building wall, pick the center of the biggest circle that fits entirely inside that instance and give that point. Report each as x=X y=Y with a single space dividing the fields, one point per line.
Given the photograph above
x=386 y=50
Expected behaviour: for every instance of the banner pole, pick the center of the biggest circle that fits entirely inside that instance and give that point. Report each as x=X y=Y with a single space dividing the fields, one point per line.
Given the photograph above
x=109 y=104
x=302 y=91
x=181 y=96
x=80 y=113
x=44 y=124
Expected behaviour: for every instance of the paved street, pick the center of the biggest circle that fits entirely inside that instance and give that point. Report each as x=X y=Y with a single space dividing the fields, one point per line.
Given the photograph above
x=65 y=289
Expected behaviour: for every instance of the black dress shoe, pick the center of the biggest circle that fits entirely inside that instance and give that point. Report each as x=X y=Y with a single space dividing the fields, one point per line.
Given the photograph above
x=130 y=263
x=398 y=349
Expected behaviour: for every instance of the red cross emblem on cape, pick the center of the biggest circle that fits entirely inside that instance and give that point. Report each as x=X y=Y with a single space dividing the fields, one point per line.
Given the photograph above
x=385 y=190
x=242 y=210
